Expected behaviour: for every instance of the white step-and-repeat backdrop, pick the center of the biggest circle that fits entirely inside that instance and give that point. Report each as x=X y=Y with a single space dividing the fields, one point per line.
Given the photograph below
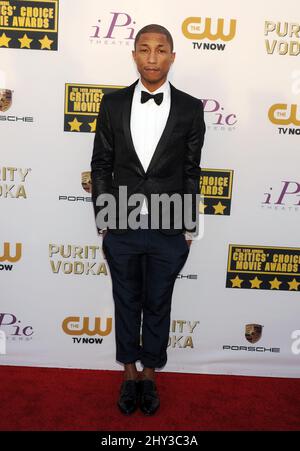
x=236 y=303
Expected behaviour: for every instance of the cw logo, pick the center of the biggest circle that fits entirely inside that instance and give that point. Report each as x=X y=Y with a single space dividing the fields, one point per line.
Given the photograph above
x=72 y=326
x=278 y=114
x=8 y=257
x=191 y=27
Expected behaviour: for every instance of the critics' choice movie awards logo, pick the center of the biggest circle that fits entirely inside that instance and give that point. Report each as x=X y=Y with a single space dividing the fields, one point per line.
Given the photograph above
x=86 y=330
x=216 y=117
x=69 y=259
x=287 y=116
x=285 y=197
x=9 y=253
x=117 y=29
x=203 y=32
x=29 y=24
x=253 y=333
x=282 y=38
x=216 y=189
x=82 y=104
x=12 y=182
x=263 y=267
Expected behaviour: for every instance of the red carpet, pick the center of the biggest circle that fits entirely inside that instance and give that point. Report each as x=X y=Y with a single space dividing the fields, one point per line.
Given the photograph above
x=67 y=399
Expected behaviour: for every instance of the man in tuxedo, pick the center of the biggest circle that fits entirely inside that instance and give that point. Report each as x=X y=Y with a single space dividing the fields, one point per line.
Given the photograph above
x=148 y=139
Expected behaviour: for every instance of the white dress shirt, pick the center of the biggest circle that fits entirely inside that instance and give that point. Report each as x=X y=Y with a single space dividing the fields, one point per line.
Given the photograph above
x=147 y=124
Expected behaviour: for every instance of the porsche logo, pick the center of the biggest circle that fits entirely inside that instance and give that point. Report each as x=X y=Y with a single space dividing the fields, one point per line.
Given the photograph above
x=5 y=99
x=86 y=181
x=253 y=332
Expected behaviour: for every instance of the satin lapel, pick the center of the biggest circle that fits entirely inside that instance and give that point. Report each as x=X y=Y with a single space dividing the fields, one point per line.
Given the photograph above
x=171 y=121
x=126 y=114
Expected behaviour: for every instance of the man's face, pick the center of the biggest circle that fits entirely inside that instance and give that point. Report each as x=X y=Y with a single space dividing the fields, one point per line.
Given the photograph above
x=153 y=57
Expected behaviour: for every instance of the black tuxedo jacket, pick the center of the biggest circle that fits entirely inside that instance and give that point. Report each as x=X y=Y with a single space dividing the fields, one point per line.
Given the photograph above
x=175 y=164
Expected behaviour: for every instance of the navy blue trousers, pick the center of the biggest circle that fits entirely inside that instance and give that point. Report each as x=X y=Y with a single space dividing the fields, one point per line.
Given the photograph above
x=144 y=265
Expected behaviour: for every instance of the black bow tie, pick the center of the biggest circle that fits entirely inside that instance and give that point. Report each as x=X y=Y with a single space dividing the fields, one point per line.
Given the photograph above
x=158 y=98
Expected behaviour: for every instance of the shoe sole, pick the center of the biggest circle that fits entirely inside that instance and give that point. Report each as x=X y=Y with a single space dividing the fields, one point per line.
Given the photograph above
x=124 y=411
x=150 y=413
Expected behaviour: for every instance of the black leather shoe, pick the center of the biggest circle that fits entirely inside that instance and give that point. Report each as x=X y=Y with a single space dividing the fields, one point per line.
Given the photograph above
x=129 y=396
x=149 y=400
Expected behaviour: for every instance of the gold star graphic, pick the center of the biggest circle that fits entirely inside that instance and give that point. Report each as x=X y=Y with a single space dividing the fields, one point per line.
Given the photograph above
x=75 y=125
x=219 y=208
x=255 y=283
x=236 y=282
x=4 y=40
x=93 y=125
x=293 y=284
x=275 y=283
x=46 y=42
x=202 y=207
x=25 y=41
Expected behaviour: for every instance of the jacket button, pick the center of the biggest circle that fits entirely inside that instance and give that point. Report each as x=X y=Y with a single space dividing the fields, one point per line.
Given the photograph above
x=146 y=177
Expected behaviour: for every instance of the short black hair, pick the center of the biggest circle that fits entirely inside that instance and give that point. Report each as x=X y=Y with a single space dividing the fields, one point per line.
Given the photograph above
x=155 y=28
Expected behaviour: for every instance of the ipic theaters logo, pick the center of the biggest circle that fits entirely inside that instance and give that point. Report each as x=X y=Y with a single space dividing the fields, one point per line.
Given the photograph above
x=10 y=253
x=82 y=104
x=86 y=330
x=263 y=267
x=86 y=184
x=69 y=259
x=15 y=329
x=285 y=197
x=181 y=333
x=282 y=38
x=29 y=24
x=287 y=117
x=207 y=31
x=12 y=182
x=216 y=188
x=116 y=30
x=6 y=100
x=253 y=333
x=218 y=118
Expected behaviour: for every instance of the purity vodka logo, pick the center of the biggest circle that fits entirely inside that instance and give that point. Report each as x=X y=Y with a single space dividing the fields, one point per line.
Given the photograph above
x=282 y=38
